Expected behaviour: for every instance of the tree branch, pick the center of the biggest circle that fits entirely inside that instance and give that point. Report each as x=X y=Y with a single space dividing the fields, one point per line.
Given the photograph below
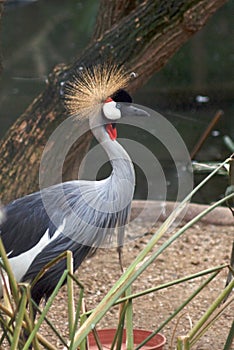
x=142 y=38
x=1 y=11
x=110 y=13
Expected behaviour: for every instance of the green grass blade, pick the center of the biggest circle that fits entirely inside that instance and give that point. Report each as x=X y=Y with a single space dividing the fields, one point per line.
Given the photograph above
x=47 y=267
x=78 y=309
x=19 y=318
x=70 y=293
x=180 y=308
x=6 y=330
x=97 y=340
x=9 y=272
x=129 y=322
x=183 y=343
x=134 y=270
x=211 y=320
x=210 y=310
x=230 y=338
x=50 y=324
x=117 y=341
x=171 y=283
x=84 y=343
x=44 y=312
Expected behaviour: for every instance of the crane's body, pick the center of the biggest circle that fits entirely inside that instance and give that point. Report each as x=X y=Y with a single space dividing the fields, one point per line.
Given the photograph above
x=79 y=215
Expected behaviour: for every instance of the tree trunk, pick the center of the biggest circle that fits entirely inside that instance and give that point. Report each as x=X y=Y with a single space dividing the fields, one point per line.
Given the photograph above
x=142 y=37
x=1 y=11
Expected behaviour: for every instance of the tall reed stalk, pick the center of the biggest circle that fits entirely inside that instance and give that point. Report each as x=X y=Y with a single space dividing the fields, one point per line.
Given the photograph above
x=142 y=261
x=16 y=317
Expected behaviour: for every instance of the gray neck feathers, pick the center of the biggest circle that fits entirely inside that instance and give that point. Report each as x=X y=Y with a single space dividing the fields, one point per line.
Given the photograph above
x=121 y=162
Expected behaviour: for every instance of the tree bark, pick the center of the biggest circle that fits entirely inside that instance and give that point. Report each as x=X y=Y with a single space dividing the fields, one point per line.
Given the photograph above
x=140 y=36
x=1 y=11
x=110 y=13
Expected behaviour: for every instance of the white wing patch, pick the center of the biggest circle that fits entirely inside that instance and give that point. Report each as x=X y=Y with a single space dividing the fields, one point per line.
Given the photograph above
x=21 y=263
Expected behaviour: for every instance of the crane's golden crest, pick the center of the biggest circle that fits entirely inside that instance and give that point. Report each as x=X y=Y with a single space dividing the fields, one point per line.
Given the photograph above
x=92 y=86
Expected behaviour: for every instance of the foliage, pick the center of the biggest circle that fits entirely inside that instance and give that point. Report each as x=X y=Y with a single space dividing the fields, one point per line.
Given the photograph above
x=16 y=312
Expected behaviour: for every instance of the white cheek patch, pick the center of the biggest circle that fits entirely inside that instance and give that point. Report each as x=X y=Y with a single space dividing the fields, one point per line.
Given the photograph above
x=110 y=111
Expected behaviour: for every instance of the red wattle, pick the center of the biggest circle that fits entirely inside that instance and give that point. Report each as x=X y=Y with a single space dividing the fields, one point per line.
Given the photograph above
x=112 y=131
x=109 y=99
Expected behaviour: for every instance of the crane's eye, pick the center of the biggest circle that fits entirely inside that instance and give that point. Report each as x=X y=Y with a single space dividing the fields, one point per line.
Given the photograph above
x=118 y=105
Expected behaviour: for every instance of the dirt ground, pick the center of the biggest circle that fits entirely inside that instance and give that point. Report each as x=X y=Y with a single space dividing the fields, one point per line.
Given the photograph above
x=205 y=245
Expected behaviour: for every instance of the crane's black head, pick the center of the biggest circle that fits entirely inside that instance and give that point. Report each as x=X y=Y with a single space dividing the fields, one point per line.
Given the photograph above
x=120 y=105
x=121 y=96
x=117 y=106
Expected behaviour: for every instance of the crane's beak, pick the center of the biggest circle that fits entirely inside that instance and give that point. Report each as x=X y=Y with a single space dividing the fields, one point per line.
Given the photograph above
x=128 y=110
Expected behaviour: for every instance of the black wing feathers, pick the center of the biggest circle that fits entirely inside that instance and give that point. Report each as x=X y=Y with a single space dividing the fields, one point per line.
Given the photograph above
x=26 y=222
x=46 y=285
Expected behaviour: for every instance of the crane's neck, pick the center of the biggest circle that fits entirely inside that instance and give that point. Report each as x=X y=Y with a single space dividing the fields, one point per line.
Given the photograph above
x=119 y=158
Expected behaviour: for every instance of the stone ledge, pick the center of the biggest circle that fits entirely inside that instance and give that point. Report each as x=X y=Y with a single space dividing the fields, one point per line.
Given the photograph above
x=158 y=211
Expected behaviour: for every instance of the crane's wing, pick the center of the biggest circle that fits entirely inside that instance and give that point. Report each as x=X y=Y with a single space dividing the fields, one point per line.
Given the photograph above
x=96 y=213
x=46 y=284
x=25 y=224
x=85 y=212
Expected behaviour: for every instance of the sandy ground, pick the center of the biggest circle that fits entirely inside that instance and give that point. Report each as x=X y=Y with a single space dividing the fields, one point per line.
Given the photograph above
x=207 y=244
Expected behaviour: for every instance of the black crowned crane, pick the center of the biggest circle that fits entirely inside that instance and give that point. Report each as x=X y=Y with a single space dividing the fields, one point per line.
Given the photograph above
x=82 y=214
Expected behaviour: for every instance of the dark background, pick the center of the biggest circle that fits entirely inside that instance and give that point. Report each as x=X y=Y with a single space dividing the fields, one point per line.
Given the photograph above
x=188 y=91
